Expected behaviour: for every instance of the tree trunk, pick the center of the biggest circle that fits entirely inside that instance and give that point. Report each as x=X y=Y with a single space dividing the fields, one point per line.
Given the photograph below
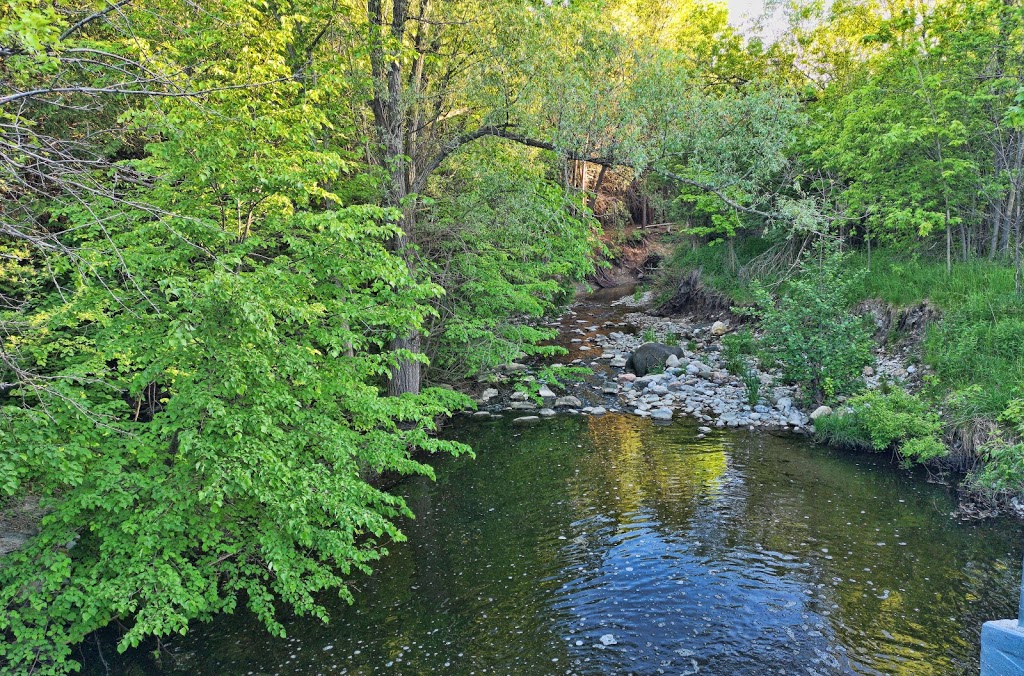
x=390 y=115
x=597 y=188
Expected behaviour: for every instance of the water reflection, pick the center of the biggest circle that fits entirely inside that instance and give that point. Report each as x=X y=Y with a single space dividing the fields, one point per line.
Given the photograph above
x=735 y=554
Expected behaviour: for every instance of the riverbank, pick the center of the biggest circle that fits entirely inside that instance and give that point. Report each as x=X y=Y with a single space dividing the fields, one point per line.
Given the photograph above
x=698 y=384
x=600 y=331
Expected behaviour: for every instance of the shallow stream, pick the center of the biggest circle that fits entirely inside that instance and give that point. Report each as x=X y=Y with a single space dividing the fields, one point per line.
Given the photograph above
x=614 y=545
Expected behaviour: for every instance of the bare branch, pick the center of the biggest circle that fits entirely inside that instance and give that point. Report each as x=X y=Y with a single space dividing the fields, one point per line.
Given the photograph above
x=92 y=17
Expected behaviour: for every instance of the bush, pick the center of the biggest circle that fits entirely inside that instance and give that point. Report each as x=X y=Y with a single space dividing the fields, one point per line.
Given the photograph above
x=880 y=421
x=810 y=333
x=1004 y=459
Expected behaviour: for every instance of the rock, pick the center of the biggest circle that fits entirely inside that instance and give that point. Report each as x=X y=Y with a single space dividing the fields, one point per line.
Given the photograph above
x=662 y=414
x=489 y=393
x=697 y=368
x=672 y=361
x=610 y=388
x=608 y=639
x=650 y=356
x=704 y=430
x=547 y=395
x=820 y=411
x=796 y=419
x=519 y=396
x=481 y=414
x=568 y=402
x=911 y=369
x=526 y=419
x=618 y=362
x=514 y=367
x=523 y=406
x=784 y=404
x=868 y=372
x=598 y=410
x=719 y=329
x=627 y=377
x=546 y=412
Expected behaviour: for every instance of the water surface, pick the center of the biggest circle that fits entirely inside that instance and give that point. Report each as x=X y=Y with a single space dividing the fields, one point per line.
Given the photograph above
x=740 y=553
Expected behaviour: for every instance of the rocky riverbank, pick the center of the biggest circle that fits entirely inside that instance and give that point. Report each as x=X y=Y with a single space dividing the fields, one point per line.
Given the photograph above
x=696 y=385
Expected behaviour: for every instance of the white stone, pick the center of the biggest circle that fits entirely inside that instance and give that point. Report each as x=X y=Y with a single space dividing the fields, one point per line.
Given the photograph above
x=719 y=329
x=598 y=410
x=820 y=411
x=525 y=419
x=662 y=414
x=568 y=402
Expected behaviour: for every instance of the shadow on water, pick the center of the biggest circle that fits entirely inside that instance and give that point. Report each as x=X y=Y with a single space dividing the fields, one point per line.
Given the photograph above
x=614 y=545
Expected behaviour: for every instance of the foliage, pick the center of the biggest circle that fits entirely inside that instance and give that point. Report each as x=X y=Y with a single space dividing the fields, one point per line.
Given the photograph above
x=504 y=243
x=197 y=393
x=809 y=332
x=1003 y=470
x=735 y=347
x=879 y=421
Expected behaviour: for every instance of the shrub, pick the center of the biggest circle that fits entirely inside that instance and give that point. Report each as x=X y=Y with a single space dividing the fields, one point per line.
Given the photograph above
x=1004 y=459
x=735 y=349
x=810 y=333
x=882 y=420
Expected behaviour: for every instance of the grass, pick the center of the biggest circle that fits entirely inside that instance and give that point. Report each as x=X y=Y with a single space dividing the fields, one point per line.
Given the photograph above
x=976 y=350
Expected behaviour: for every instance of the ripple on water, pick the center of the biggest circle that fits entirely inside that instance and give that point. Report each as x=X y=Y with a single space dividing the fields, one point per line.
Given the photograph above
x=734 y=554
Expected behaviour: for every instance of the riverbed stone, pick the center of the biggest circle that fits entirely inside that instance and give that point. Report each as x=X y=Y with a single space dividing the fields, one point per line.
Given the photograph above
x=523 y=406
x=546 y=412
x=568 y=401
x=525 y=420
x=820 y=411
x=719 y=329
x=598 y=410
x=488 y=394
x=662 y=414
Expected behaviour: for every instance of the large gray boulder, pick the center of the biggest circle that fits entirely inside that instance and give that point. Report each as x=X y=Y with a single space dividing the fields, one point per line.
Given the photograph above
x=651 y=356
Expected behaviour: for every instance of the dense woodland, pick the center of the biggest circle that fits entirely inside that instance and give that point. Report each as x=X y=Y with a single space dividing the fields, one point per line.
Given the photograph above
x=249 y=249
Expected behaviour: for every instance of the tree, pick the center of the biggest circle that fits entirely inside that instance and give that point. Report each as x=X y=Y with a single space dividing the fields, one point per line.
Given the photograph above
x=212 y=350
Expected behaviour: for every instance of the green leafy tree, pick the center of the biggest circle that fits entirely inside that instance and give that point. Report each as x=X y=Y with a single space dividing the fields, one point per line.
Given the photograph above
x=809 y=331
x=207 y=365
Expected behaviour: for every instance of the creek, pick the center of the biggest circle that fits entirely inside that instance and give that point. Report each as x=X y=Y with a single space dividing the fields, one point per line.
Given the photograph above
x=616 y=544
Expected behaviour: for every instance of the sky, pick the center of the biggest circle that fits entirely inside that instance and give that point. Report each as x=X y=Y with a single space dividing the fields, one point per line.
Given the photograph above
x=737 y=8
x=742 y=10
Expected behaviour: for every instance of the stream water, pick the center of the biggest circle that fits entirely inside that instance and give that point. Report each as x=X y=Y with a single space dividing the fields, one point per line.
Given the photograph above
x=734 y=554
x=615 y=545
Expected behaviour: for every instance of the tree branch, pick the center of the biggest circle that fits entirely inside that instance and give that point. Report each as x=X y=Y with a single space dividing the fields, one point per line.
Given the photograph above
x=92 y=17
